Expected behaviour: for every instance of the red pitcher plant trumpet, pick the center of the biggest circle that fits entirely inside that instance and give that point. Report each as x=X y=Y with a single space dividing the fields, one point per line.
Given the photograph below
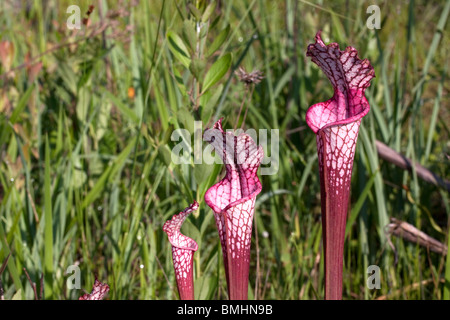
x=183 y=249
x=233 y=202
x=336 y=124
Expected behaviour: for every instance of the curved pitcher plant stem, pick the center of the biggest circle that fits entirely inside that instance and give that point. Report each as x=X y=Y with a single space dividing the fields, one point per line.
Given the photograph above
x=336 y=124
x=183 y=249
x=233 y=203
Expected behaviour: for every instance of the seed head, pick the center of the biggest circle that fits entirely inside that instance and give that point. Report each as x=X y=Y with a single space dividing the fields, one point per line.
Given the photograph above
x=248 y=78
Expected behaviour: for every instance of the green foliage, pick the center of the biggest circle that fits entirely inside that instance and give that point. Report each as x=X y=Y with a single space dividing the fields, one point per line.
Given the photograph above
x=86 y=175
x=217 y=71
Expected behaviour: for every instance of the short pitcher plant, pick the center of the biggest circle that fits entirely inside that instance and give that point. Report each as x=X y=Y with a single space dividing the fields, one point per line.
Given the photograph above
x=183 y=249
x=336 y=124
x=233 y=202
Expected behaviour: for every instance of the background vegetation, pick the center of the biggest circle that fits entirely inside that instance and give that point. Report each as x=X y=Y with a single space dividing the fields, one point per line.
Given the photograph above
x=86 y=118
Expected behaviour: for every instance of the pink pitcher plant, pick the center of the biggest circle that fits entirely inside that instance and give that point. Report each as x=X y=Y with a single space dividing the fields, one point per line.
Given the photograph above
x=183 y=249
x=99 y=291
x=336 y=124
x=233 y=203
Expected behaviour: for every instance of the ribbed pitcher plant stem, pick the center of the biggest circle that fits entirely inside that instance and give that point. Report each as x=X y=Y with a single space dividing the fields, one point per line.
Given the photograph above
x=183 y=249
x=233 y=203
x=336 y=124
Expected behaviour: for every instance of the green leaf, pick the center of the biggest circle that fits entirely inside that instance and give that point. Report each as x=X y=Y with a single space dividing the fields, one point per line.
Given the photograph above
x=21 y=104
x=165 y=154
x=208 y=178
x=103 y=119
x=195 y=12
x=179 y=81
x=192 y=230
x=79 y=175
x=17 y=295
x=197 y=67
x=186 y=118
x=48 y=231
x=178 y=48
x=202 y=171
x=447 y=273
x=162 y=108
x=338 y=28
x=209 y=100
x=357 y=207
x=123 y=108
x=108 y=174
x=12 y=268
x=204 y=287
x=86 y=71
x=217 y=71
x=218 y=41
x=208 y=11
x=189 y=35
x=83 y=103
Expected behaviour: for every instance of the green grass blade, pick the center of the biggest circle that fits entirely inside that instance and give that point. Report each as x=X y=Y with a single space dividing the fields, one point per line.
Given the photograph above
x=48 y=232
x=108 y=174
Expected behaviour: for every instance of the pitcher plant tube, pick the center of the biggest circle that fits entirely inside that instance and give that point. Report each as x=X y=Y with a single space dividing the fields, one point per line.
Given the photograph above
x=183 y=249
x=336 y=125
x=233 y=203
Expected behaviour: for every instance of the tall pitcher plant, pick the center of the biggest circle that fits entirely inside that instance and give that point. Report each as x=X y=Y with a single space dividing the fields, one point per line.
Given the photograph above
x=336 y=124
